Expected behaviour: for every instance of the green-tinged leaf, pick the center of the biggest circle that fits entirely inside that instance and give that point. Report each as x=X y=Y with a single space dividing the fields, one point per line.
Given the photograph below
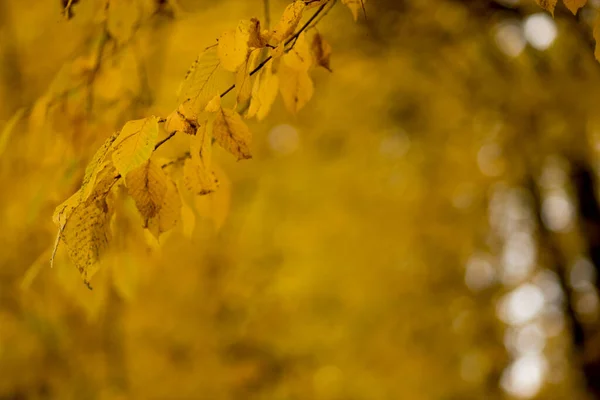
x=135 y=144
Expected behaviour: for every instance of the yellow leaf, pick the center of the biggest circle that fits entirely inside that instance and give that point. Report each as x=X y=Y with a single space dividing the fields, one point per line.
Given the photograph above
x=289 y=21
x=277 y=51
x=547 y=5
x=176 y=122
x=233 y=47
x=205 y=79
x=299 y=56
x=264 y=92
x=243 y=81
x=296 y=88
x=215 y=206
x=169 y=213
x=122 y=17
x=574 y=5
x=232 y=134
x=214 y=105
x=135 y=144
x=321 y=51
x=100 y=160
x=86 y=235
x=147 y=185
x=256 y=39
x=356 y=6
x=197 y=176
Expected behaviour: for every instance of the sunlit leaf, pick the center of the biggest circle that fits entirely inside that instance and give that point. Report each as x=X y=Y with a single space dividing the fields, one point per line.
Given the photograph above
x=100 y=160
x=289 y=21
x=299 y=57
x=135 y=144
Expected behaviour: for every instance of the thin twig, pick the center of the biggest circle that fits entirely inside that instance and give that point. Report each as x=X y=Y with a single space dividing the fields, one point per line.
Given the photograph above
x=255 y=70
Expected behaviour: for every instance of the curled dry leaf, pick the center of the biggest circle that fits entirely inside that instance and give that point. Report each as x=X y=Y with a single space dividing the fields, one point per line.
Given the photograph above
x=321 y=51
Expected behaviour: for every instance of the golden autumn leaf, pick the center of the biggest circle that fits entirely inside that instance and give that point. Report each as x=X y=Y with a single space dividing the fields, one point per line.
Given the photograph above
x=287 y=24
x=197 y=176
x=256 y=39
x=231 y=133
x=243 y=80
x=574 y=5
x=169 y=213
x=213 y=106
x=86 y=235
x=296 y=87
x=233 y=48
x=147 y=185
x=321 y=51
x=177 y=122
x=547 y=5
x=99 y=161
x=135 y=144
x=356 y=6
x=264 y=92
x=299 y=56
x=204 y=80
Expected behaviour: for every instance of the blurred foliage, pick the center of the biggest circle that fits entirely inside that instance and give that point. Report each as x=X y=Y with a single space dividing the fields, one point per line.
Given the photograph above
x=374 y=247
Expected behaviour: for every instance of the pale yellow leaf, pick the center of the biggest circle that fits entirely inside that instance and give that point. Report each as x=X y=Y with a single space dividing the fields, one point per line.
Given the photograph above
x=122 y=18
x=205 y=79
x=296 y=88
x=264 y=92
x=289 y=21
x=321 y=51
x=299 y=56
x=356 y=6
x=169 y=213
x=547 y=5
x=574 y=5
x=232 y=134
x=147 y=185
x=135 y=144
